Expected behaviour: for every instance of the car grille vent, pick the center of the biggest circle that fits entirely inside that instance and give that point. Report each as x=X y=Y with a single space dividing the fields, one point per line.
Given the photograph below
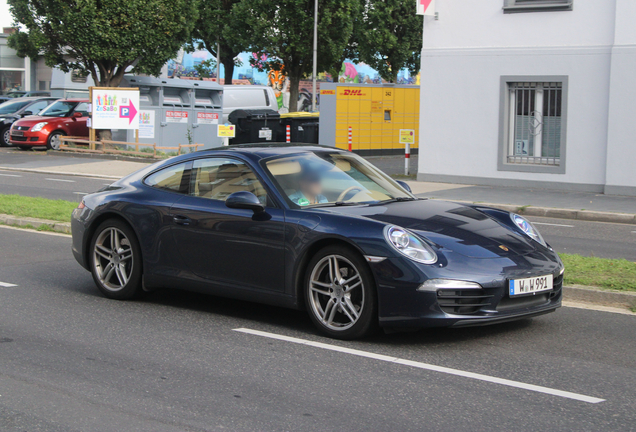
x=17 y=138
x=462 y=302
x=22 y=128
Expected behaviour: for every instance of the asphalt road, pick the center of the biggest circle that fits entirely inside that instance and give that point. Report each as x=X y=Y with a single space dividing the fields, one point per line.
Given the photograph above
x=69 y=188
x=72 y=360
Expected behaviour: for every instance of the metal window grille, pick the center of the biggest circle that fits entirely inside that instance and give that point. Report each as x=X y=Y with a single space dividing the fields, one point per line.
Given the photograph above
x=535 y=123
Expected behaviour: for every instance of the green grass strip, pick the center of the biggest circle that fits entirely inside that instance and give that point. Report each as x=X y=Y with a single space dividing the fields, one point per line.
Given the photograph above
x=616 y=274
x=41 y=208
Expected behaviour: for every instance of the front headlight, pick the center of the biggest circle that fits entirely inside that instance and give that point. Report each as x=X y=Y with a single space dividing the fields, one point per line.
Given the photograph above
x=409 y=245
x=38 y=127
x=524 y=225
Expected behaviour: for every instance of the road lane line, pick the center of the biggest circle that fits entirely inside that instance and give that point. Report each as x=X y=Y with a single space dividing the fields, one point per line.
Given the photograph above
x=10 y=175
x=60 y=180
x=7 y=285
x=426 y=366
x=551 y=224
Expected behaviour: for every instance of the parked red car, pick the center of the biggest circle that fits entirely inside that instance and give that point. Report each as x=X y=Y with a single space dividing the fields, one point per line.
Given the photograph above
x=64 y=117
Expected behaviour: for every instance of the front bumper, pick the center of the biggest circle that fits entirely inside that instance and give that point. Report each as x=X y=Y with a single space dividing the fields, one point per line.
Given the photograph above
x=29 y=138
x=401 y=304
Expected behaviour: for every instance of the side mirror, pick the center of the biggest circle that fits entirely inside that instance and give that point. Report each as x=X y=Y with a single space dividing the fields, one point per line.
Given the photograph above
x=244 y=200
x=405 y=185
x=27 y=113
x=77 y=115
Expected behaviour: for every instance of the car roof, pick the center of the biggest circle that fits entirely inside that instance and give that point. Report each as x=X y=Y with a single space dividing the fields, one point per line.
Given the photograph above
x=37 y=98
x=262 y=151
x=74 y=100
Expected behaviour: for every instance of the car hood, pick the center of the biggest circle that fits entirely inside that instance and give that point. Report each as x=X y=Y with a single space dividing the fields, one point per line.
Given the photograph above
x=452 y=226
x=33 y=120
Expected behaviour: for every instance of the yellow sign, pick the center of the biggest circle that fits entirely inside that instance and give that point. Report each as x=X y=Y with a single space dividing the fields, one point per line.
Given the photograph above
x=226 y=131
x=327 y=92
x=407 y=136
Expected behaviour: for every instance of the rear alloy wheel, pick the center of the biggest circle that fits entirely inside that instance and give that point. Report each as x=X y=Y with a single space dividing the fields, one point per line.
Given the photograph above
x=53 y=143
x=5 y=137
x=116 y=260
x=340 y=294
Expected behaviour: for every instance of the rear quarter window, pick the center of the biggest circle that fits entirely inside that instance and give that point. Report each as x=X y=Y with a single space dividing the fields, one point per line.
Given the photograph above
x=174 y=178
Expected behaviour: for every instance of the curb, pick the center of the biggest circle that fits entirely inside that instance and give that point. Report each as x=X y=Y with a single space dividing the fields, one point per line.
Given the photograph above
x=61 y=227
x=63 y=173
x=101 y=156
x=559 y=213
x=600 y=297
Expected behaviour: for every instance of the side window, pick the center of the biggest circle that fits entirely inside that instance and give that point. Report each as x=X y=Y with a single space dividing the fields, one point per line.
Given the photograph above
x=218 y=178
x=172 y=179
x=82 y=107
x=37 y=106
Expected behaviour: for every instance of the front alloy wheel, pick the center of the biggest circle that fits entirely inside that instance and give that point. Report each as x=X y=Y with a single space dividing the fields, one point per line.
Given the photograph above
x=115 y=259
x=5 y=139
x=340 y=294
x=54 y=141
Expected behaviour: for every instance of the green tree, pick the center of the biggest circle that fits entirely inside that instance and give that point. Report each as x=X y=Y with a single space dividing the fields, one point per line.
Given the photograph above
x=218 y=23
x=390 y=37
x=351 y=49
x=285 y=31
x=205 y=68
x=103 y=38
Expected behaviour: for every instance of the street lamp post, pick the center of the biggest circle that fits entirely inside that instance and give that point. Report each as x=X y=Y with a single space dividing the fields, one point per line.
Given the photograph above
x=313 y=80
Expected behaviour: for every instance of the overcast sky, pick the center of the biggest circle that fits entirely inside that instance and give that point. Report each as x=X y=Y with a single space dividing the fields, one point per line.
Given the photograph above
x=5 y=17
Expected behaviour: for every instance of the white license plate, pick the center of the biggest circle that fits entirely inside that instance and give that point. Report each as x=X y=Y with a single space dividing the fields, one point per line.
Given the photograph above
x=530 y=285
x=17 y=133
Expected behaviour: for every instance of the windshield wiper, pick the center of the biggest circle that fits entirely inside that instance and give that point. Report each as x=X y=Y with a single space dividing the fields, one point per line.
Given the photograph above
x=348 y=203
x=397 y=199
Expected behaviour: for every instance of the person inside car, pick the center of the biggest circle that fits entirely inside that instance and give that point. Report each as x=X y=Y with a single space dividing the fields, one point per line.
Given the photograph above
x=309 y=187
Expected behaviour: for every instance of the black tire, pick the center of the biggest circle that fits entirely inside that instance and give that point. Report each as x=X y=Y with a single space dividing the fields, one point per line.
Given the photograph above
x=3 y=137
x=122 y=280
x=347 y=296
x=52 y=143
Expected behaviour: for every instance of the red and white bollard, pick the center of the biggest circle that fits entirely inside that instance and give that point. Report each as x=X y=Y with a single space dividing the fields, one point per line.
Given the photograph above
x=350 y=138
x=407 y=158
x=288 y=133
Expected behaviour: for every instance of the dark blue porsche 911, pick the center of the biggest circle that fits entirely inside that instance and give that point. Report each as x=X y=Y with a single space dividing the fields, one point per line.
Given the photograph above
x=317 y=228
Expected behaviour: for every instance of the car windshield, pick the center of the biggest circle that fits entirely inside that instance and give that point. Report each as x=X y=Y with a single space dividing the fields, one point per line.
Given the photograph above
x=11 y=107
x=58 y=109
x=328 y=179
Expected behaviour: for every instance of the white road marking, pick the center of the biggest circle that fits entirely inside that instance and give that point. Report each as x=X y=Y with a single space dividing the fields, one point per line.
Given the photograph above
x=551 y=224
x=7 y=285
x=60 y=180
x=419 y=365
x=35 y=231
x=10 y=175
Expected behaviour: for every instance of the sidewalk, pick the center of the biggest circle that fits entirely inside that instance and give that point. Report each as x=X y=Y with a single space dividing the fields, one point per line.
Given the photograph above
x=45 y=163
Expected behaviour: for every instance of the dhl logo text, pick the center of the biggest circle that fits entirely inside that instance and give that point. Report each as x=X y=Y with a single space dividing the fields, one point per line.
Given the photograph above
x=352 y=93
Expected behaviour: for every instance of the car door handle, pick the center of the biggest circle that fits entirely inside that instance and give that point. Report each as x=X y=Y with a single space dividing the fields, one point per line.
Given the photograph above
x=181 y=220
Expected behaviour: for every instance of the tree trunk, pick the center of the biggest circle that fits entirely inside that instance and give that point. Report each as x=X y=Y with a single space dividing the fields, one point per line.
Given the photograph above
x=294 y=83
x=228 y=64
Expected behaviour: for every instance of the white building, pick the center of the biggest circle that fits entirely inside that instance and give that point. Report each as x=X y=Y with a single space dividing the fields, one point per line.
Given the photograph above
x=537 y=93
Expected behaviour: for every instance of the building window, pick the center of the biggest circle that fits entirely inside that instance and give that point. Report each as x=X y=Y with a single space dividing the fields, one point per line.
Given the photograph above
x=533 y=124
x=514 y=6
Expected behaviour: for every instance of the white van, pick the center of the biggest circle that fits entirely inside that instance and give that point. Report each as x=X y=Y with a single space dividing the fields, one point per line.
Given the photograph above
x=247 y=97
